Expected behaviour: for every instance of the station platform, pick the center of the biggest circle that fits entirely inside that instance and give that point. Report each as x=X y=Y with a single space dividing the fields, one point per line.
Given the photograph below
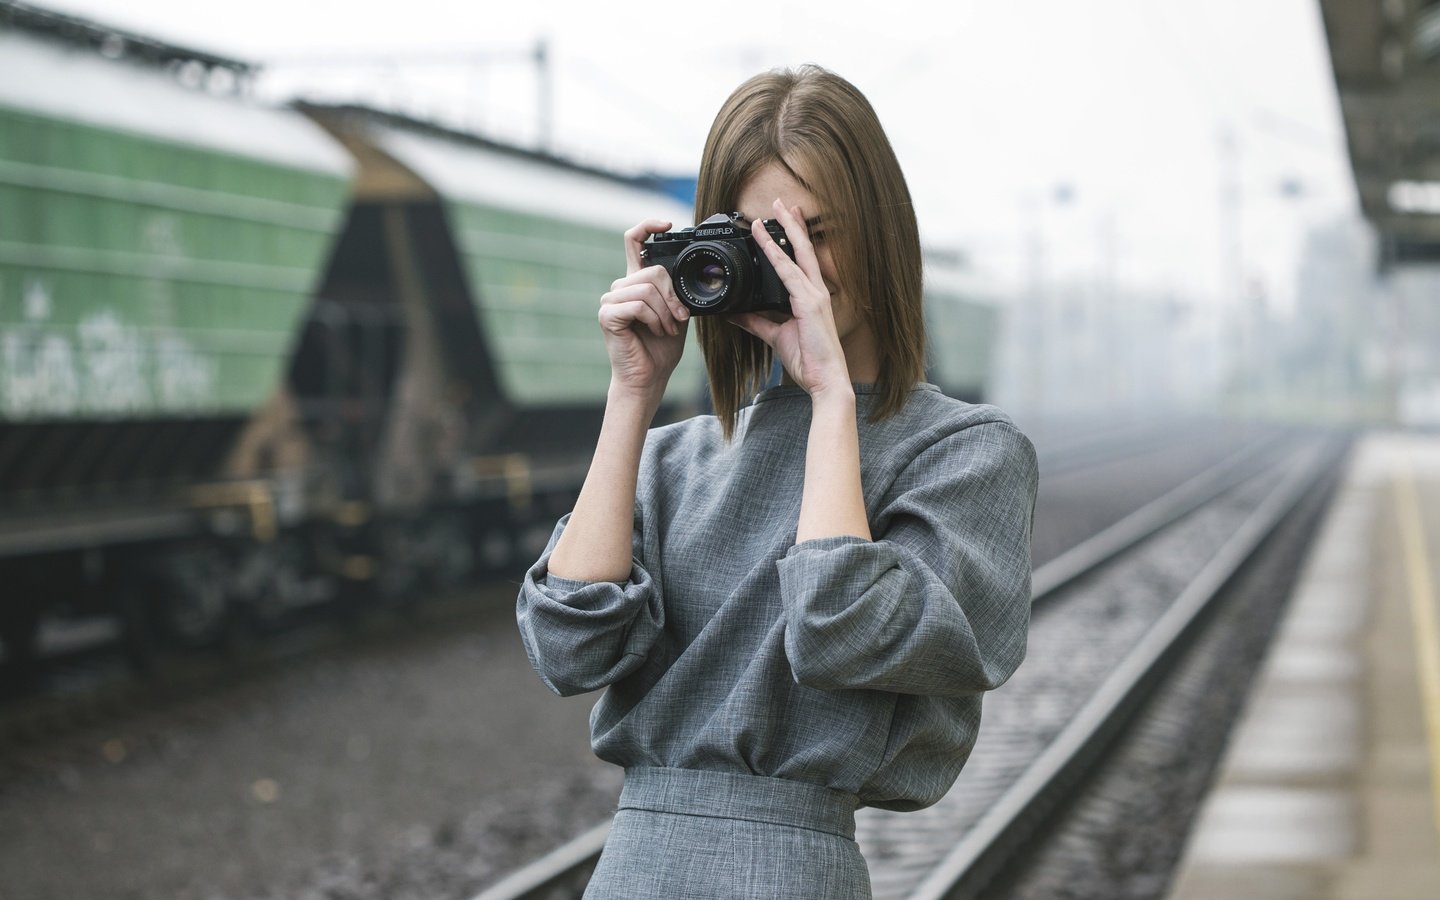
x=1330 y=787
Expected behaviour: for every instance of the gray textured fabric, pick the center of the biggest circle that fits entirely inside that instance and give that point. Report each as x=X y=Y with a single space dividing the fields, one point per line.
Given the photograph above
x=721 y=836
x=850 y=664
x=753 y=798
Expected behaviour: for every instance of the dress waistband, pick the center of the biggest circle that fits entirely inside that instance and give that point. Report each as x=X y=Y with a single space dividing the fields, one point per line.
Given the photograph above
x=727 y=795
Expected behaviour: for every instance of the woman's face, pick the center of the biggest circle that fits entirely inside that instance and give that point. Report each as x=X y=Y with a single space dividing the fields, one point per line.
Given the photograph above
x=756 y=198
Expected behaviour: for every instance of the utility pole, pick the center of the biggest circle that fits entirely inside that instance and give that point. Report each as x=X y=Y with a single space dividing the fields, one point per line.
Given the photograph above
x=544 y=96
x=1107 y=319
x=1033 y=239
x=1232 y=263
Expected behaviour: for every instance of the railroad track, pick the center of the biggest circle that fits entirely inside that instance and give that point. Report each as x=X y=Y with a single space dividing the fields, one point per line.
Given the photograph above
x=1087 y=451
x=1133 y=593
x=1075 y=698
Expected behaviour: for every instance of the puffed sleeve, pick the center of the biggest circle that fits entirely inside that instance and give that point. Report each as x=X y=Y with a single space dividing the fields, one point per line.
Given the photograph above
x=939 y=602
x=582 y=636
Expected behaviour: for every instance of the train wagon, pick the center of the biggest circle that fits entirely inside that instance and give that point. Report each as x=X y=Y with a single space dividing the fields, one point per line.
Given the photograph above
x=158 y=247
x=492 y=259
x=248 y=353
x=450 y=376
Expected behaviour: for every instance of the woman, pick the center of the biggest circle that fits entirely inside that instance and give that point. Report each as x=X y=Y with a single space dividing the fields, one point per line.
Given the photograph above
x=795 y=606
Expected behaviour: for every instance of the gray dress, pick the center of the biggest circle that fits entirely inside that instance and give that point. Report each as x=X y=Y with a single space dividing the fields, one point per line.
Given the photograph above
x=759 y=690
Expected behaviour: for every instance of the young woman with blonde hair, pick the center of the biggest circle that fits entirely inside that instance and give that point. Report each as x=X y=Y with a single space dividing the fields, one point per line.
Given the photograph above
x=795 y=605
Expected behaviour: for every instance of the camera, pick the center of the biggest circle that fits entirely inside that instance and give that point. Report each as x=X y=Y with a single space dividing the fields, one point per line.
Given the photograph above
x=718 y=268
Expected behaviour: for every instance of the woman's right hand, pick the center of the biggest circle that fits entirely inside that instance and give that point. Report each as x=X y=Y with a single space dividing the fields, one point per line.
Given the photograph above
x=643 y=321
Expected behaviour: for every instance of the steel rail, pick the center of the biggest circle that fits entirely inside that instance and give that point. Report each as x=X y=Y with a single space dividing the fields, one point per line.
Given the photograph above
x=985 y=850
x=533 y=880
x=1074 y=457
x=551 y=869
x=1143 y=523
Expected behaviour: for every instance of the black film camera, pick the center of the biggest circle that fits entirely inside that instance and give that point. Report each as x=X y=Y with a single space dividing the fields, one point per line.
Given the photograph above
x=718 y=268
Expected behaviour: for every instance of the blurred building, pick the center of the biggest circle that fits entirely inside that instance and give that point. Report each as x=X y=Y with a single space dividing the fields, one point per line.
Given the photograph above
x=1075 y=347
x=1335 y=360
x=1358 y=344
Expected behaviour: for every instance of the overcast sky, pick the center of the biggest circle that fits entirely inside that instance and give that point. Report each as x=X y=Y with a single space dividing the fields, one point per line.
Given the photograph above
x=990 y=105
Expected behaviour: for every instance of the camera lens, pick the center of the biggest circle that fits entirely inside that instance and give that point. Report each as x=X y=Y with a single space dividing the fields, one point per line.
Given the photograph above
x=710 y=275
x=711 y=279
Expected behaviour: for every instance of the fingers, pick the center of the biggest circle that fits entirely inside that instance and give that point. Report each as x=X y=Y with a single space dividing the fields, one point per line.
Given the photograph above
x=658 y=314
x=635 y=240
x=664 y=289
x=793 y=221
x=802 y=287
x=622 y=315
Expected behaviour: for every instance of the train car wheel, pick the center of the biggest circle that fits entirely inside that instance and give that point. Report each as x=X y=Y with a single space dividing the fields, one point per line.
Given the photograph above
x=269 y=586
x=138 y=636
x=448 y=557
x=398 y=583
x=19 y=629
x=192 y=604
x=496 y=550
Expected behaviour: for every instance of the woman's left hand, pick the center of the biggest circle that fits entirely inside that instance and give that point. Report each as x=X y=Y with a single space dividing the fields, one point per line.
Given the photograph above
x=808 y=343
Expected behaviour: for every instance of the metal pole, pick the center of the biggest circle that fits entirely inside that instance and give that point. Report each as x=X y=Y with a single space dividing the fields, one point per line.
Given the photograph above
x=545 y=94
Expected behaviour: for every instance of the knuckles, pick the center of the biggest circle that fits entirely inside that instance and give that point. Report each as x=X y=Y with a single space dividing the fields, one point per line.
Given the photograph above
x=653 y=275
x=621 y=312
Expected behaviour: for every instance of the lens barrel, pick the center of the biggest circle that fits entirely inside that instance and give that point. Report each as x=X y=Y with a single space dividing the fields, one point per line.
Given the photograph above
x=712 y=275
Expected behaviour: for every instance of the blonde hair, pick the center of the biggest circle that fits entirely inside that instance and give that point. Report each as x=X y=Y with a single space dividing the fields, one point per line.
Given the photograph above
x=824 y=132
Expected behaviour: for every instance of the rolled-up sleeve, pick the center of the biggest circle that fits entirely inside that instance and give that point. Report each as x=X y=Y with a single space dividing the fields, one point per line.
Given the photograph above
x=582 y=636
x=939 y=603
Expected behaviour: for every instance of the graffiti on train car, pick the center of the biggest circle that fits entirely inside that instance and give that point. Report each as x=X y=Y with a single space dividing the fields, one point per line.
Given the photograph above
x=100 y=365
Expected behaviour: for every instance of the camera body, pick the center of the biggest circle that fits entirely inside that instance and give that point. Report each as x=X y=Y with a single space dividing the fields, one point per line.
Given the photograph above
x=718 y=268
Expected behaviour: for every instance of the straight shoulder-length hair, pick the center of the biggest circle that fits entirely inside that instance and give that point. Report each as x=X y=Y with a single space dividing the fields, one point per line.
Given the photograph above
x=824 y=132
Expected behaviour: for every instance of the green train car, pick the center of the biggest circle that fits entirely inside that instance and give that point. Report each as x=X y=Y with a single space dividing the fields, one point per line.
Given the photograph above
x=962 y=320
x=158 y=248
x=158 y=244
x=253 y=357
x=254 y=360
x=490 y=260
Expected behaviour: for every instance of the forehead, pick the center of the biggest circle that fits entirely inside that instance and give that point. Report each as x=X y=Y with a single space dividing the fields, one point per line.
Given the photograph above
x=774 y=180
